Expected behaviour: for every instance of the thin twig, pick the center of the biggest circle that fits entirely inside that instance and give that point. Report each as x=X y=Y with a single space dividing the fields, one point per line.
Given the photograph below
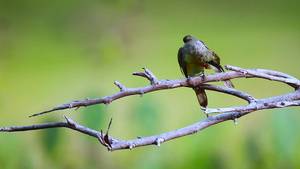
x=268 y=74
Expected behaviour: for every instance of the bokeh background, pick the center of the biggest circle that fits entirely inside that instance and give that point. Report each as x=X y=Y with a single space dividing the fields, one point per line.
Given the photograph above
x=53 y=52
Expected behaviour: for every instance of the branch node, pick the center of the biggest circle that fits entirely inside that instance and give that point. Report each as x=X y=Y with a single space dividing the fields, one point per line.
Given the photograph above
x=153 y=79
x=70 y=121
x=280 y=104
x=104 y=138
x=121 y=87
x=107 y=102
x=251 y=99
x=159 y=141
x=149 y=75
x=139 y=137
x=131 y=146
x=141 y=93
x=235 y=121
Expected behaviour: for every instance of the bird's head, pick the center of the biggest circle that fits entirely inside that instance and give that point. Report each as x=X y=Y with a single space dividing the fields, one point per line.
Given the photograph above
x=188 y=38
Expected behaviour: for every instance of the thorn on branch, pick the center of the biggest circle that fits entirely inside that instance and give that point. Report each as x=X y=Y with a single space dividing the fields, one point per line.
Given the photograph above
x=141 y=93
x=107 y=102
x=131 y=146
x=235 y=121
x=104 y=139
x=159 y=141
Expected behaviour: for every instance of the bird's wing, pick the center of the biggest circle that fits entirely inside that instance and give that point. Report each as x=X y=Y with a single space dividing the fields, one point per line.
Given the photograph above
x=216 y=65
x=214 y=60
x=218 y=68
x=181 y=61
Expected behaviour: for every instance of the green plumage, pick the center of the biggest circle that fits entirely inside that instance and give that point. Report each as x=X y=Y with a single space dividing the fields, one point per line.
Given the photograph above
x=193 y=57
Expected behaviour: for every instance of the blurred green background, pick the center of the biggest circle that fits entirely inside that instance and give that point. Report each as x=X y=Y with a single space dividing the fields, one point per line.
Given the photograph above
x=53 y=52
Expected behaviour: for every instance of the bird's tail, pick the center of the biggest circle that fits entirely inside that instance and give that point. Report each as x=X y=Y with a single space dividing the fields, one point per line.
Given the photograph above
x=218 y=68
x=227 y=83
x=201 y=96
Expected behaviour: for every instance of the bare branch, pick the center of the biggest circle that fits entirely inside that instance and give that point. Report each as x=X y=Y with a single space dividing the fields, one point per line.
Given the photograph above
x=169 y=84
x=230 y=91
x=230 y=113
x=268 y=74
x=116 y=144
x=34 y=127
x=267 y=103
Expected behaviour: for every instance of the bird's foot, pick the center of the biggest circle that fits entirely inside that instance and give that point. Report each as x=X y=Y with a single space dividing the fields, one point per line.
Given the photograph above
x=190 y=81
x=203 y=75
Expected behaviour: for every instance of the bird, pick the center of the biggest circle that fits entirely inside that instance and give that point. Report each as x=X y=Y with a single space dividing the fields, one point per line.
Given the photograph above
x=193 y=58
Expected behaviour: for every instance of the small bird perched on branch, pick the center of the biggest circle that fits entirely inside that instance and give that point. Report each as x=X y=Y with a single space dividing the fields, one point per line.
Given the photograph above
x=193 y=57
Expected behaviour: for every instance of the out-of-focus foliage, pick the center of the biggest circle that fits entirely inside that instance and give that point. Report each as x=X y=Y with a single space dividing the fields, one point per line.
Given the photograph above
x=53 y=52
